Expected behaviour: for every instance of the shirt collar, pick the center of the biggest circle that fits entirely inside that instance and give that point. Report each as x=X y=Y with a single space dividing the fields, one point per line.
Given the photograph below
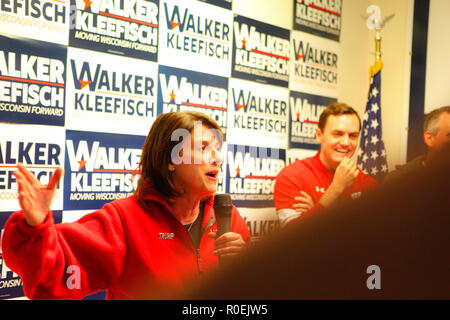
x=152 y=194
x=319 y=165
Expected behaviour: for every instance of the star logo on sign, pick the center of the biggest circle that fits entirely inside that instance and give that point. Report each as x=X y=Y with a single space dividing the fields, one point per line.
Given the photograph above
x=87 y=4
x=375 y=107
x=84 y=83
x=174 y=24
x=374 y=124
x=82 y=163
x=240 y=106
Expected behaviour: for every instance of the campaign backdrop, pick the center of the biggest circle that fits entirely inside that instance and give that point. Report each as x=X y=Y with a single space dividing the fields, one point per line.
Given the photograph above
x=33 y=77
x=314 y=64
x=181 y=89
x=322 y=18
x=81 y=83
x=260 y=52
x=304 y=112
x=118 y=92
x=126 y=28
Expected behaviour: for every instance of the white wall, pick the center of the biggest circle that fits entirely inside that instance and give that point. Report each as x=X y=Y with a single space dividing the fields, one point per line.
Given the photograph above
x=358 y=53
x=437 y=89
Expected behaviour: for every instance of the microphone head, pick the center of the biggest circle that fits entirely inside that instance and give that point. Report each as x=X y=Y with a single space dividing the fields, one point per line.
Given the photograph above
x=222 y=203
x=222 y=210
x=222 y=200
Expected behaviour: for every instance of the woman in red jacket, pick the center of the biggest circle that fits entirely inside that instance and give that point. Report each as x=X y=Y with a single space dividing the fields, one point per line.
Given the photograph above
x=150 y=245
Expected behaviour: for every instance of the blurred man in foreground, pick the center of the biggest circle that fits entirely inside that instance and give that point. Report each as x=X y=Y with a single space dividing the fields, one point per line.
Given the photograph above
x=392 y=244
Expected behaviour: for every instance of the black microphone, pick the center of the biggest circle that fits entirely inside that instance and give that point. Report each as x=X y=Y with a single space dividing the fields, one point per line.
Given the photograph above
x=222 y=211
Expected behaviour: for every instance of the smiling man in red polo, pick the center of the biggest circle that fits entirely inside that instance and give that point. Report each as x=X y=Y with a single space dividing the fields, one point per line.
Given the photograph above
x=317 y=182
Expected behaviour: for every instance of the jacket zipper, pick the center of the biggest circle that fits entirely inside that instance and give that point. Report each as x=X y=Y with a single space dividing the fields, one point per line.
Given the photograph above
x=197 y=254
x=207 y=226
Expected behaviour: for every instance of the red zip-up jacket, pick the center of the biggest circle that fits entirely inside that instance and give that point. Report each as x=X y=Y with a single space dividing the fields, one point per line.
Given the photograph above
x=130 y=252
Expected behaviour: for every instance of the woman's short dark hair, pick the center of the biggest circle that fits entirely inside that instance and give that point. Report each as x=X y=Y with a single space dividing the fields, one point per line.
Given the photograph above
x=336 y=109
x=157 y=151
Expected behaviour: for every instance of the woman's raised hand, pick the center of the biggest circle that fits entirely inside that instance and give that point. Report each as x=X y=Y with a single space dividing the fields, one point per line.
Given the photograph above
x=34 y=198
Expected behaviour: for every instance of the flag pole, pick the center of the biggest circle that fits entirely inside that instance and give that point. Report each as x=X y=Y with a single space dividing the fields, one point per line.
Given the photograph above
x=372 y=152
x=374 y=21
x=377 y=45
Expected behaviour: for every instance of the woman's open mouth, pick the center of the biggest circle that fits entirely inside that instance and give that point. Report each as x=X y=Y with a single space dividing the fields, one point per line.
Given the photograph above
x=213 y=174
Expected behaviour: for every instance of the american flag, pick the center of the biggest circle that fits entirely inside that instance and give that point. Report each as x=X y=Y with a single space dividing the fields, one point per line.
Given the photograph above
x=372 y=153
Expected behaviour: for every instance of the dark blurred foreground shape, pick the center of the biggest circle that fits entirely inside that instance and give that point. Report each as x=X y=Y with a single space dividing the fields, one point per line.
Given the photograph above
x=403 y=228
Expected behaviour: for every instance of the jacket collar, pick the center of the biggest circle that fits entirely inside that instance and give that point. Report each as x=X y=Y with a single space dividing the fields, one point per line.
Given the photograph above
x=319 y=165
x=153 y=195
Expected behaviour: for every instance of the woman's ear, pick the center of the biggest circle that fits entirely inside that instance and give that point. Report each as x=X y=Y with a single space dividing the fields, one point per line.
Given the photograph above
x=171 y=167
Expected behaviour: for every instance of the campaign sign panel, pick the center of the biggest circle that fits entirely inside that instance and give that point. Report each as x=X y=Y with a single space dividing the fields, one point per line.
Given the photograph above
x=261 y=222
x=45 y=20
x=181 y=90
x=222 y=177
x=304 y=112
x=257 y=114
x=39 y=148
x=100 y=167
x=314 y=63
x=120 y=93
x=260 y=52
x=195 y=36
x=321 y=18
x=251 y=173
x=126 y=28
x=32 y=81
